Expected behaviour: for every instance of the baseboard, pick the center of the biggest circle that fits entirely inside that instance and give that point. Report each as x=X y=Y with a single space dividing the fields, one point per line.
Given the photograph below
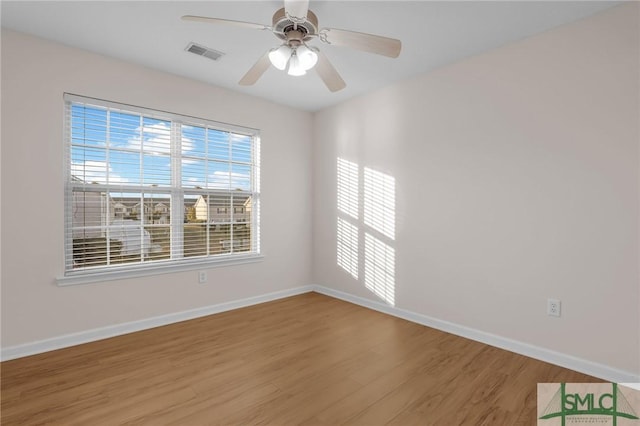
x=73 y=339
x=563 y=360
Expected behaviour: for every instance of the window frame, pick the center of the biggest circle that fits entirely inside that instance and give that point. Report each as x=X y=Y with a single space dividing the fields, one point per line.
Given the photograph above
x=177 y=194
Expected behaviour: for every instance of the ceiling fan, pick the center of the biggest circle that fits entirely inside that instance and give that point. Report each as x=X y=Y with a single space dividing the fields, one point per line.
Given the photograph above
x=296 y=25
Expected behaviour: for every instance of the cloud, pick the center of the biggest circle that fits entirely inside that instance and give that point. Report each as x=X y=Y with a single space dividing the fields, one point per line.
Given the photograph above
x=157 y=139
x=226 y=180
x=96 y=172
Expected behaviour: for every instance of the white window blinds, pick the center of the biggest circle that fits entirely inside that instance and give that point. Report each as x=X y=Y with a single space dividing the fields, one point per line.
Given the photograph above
x=147 y=187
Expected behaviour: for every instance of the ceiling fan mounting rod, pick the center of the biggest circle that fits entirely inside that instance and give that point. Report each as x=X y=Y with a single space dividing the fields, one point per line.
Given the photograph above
x=283 y=23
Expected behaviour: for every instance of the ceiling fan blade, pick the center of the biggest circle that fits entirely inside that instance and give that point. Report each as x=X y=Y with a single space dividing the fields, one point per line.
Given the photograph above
x=243 y=24
x=256 y=71
x=328 y=74
x=296 y=9
x=367 y=42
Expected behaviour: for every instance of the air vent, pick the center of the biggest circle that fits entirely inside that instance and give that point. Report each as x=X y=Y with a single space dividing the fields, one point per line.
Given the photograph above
x=204 y=51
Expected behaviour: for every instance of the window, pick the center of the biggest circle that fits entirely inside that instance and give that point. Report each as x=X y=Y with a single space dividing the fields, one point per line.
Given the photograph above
x=147 y=189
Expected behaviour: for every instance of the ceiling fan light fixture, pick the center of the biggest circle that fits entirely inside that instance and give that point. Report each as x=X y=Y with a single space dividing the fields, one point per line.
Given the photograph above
x=295 y=66
x=307 y=57
x=280 y=56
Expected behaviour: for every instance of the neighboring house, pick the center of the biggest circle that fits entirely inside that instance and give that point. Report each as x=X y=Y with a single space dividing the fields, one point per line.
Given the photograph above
x=120 y=210
x=153 y=210
x=202 y=211
x=220 y=210
x=142 y=211
x=161 y=213
x=93 y=211
x=161 y=208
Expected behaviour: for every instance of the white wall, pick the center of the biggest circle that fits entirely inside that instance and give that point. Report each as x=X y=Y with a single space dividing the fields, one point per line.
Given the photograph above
x=516 y=178
x=35 y=73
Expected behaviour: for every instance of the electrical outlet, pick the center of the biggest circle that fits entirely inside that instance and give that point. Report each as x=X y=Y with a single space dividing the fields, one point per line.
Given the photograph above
x=553 y=307
x=202 y=277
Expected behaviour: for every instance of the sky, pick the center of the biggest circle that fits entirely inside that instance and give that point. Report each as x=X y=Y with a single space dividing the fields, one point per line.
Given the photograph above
x=211 y=158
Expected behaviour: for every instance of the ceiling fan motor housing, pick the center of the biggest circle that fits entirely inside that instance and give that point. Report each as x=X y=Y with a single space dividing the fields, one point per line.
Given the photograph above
x=282 y=25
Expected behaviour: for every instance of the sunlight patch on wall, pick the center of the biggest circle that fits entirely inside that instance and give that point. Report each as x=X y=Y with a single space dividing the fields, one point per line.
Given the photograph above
x=370 y=219
x=348 y=206
x=348 y=187
x=379 y=202
x=379 y=268
x=348 y=247
x=380 y=227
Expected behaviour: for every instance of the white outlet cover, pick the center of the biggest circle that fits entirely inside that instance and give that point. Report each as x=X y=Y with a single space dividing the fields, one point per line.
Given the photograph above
x=553 y=307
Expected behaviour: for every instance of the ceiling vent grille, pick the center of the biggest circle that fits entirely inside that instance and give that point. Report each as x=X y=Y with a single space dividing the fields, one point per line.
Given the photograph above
x=204 y=51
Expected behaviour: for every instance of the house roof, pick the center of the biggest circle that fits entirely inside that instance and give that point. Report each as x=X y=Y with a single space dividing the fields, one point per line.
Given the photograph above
x=215 y=201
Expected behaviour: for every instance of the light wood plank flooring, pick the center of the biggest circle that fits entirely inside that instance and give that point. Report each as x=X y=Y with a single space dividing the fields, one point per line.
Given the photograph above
x=308 y=359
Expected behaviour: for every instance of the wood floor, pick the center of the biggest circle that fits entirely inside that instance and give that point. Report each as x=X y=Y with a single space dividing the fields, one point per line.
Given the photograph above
x=308 y=359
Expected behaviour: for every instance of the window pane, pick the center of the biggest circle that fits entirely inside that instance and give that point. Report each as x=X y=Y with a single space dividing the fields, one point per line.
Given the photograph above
x=218 y=145
x=220 y=241
x=218 y=175
x=125 y=206
x=241 y=208
x=90 y=251
x=156 y=136
x=240 y=177
x=190 y=208
x=88 y=165
x=220 y=208
x=156 y=170
x=101 y=233
x=160 y=241
x=194 y=173
x=89 y=214
x=88 y=126
x=124 y=167
x=195 y=239
x=130 y=240
x=241 y=148
x=241 y=237
x=193 y=142
x=124 y=130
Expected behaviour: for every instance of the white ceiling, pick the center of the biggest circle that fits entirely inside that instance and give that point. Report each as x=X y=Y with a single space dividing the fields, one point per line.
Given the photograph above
x=433 y=33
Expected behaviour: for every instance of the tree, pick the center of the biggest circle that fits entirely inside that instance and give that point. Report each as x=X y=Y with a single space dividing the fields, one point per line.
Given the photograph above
x=191 y=214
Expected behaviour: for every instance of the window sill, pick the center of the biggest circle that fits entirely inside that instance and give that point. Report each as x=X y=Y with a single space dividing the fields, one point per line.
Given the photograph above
x=77 y=278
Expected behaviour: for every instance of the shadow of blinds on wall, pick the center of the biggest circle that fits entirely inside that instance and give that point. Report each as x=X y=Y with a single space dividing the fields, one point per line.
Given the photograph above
x=379 y=221
x=370 y=233
x=348 y=204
